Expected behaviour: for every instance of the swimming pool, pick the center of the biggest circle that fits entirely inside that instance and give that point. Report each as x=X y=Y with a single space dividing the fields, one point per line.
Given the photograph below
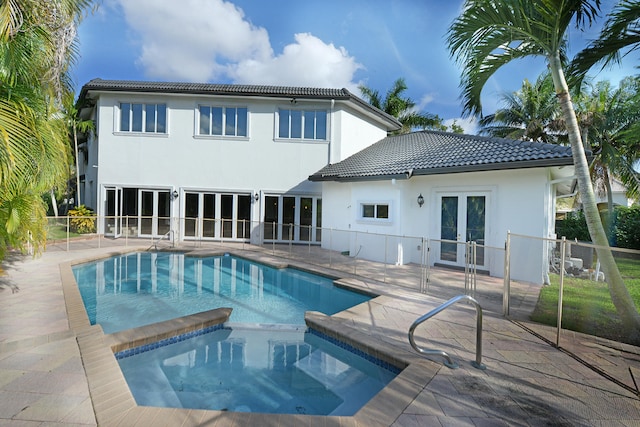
x=142 y=288
x=246 y=369
x=263 y=359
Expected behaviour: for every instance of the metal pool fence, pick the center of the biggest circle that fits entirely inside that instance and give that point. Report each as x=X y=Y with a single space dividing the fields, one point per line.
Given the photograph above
x=567 y=291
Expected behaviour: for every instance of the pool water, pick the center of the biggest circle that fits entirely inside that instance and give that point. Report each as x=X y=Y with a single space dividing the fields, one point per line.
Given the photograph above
x=263 y=360
x=266 y=370
x=139 y=289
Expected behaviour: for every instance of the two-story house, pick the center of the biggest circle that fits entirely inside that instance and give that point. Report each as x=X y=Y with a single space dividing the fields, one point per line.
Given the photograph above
x=212 y=161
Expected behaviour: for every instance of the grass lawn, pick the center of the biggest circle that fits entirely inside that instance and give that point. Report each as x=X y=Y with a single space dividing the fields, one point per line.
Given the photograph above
x=59 y=232
x=586 y=305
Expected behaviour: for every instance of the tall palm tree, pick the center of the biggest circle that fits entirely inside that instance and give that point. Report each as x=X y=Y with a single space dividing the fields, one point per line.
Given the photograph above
x=491 y=33
x=36 y=50
x=530 y=114
x=402 y=108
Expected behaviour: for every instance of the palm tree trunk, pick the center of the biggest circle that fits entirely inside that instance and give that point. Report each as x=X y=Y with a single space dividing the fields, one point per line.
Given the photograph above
x=619 y=293
x=75 y=141
x=54 y=203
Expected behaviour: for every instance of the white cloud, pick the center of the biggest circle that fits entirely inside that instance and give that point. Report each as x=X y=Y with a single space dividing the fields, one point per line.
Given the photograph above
x=469 y=124
x=212 y=40
x=424 y=101
x=307 y=62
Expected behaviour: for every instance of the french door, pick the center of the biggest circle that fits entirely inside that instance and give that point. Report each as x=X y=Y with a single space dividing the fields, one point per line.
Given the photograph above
x=215 y=215
x=155 y=212
x=463 y=218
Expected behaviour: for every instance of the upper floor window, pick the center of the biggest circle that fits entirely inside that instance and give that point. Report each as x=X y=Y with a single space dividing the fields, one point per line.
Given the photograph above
x=149 y=118
x=223 y=121
x=302 y=124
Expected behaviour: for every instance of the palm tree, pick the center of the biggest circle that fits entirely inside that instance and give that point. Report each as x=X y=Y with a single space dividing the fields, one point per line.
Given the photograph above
x=36 y=49
x=491 y=33
x=530 y=114
x=403 y=109
x=608 y=119
x=620 y=33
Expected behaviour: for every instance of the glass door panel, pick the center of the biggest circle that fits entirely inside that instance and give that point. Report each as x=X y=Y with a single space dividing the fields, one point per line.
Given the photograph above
x=164 y=213
x=476 y=213
x=209 y=215
x=306 y=218
x=191 y=214
x=319 y=220
x=146 y=213
x=130 y=209
x=271 y=217
x=449 y=229
x=226 y=213
x=243 y=217
x=288 y=218
x=113 y=212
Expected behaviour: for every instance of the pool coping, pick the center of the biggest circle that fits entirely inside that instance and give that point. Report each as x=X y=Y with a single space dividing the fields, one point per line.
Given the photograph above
x=114 y=404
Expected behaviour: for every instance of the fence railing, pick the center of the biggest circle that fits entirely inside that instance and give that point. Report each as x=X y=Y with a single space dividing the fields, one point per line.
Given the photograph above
x=504 y=278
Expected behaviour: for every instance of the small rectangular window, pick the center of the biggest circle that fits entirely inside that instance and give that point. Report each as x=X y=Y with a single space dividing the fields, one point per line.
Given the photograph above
x=375 y=211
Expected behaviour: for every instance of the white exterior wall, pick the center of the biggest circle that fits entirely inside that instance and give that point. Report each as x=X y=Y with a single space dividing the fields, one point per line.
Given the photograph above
x=351 y=136
x=181 y=160
x=517 y=200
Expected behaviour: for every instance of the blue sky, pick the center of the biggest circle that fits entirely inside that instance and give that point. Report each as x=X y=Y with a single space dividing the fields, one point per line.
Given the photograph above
x=329 y=43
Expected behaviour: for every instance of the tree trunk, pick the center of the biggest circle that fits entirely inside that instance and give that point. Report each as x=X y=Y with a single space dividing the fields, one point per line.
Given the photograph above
x=54 y=203
x=75 y=141
x=619 y=293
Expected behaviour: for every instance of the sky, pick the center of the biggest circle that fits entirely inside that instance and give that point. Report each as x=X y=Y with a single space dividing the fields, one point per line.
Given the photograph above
x=328 y=43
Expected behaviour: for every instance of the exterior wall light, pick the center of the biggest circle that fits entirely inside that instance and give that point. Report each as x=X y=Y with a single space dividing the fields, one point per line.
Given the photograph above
x=420 y=200
x=174 y=195
x=256 y=197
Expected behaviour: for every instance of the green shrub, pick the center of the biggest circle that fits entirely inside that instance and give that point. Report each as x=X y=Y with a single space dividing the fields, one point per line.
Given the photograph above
x=574 y=226
x=82 y=220
x=628 y=227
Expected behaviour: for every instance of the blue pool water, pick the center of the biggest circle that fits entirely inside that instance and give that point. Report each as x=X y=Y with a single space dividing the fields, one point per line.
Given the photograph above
x=267 y=370
x=143 y=288
x=262 y=360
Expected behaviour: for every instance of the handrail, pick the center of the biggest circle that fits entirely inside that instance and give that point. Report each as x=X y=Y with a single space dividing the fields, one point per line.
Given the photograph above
x=155 y=244
x=448 y=361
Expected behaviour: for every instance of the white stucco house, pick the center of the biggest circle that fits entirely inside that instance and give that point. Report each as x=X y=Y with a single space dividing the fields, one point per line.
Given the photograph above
x=289 y=164
x=209 y=161
x=450 y=187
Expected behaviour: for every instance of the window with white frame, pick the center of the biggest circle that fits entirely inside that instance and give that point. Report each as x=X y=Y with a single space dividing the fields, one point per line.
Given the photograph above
x=144 y=118
x=302 y=124
x=222 y=121
x=374 y=211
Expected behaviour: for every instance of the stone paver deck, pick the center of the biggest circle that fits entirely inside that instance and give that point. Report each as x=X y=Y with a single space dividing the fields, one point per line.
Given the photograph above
x=55 y=369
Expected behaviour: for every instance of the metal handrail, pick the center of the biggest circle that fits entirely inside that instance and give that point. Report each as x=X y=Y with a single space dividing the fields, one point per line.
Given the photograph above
x=155 y=244
x=448 y=361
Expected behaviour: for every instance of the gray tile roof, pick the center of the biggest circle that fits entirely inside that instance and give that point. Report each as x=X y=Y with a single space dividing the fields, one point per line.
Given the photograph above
x=230 y=89
x=431 y=152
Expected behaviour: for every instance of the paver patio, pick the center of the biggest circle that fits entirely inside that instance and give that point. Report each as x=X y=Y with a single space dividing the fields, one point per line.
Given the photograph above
x=52 y=373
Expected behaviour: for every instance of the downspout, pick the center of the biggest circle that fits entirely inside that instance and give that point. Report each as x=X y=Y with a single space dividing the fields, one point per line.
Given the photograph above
x=331 y=140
